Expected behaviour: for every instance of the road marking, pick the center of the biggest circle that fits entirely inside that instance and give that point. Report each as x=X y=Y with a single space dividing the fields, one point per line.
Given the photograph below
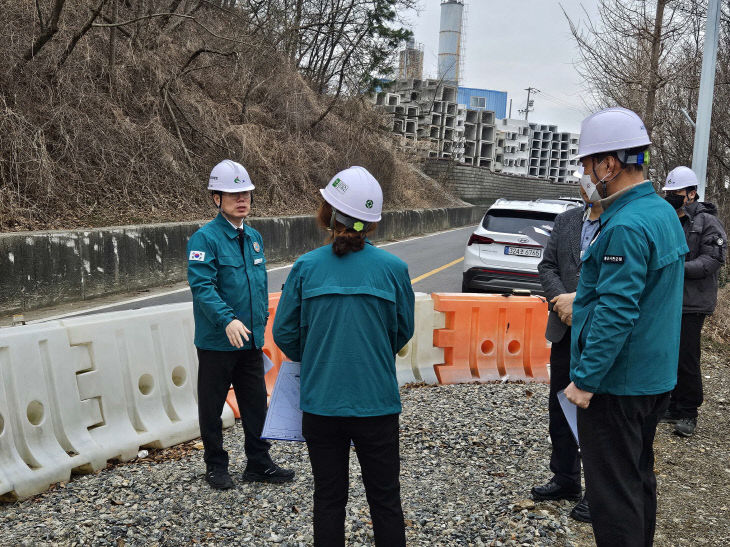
x=184 y=289
x=437 y=270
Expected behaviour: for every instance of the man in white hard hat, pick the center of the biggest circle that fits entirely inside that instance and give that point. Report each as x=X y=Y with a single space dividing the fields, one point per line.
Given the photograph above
x=707 y=244
x=625 y=333
x=227 y=276
x=559 y=270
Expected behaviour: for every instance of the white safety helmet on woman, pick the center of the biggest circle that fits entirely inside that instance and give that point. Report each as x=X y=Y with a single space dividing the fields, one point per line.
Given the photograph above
x=614 y=130
x=229 y=176
x=680 y=178
x=356 y=198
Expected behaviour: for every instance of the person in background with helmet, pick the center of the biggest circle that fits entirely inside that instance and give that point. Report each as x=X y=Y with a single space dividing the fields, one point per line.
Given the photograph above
x=227 y=276
x=345 y=311
x=626 y=323
x=559 y=269
x=707 y=250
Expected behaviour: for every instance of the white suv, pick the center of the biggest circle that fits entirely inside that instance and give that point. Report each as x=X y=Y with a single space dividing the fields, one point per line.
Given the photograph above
x=503 y=252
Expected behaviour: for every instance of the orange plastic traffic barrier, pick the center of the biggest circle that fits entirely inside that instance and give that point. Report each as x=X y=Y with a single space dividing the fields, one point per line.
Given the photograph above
x=270 y=349
x=272 y=352
x=491 y=337
x=231 y=402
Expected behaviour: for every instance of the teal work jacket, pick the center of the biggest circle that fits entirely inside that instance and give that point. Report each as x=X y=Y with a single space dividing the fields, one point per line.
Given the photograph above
x=345 y=318
x=226 y=284
x=628 y=306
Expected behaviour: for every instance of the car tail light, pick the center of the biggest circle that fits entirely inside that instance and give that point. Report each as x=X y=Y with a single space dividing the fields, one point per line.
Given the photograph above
x=479 y=239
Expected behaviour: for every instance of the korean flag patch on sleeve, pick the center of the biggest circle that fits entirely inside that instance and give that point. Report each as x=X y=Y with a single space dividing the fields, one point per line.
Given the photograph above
x=198 y=256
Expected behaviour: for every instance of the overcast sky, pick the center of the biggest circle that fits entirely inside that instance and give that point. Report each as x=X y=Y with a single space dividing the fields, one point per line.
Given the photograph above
x=514 y=44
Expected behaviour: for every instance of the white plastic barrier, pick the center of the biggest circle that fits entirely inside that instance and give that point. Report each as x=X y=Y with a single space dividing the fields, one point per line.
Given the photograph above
x=79 y=392
x=415 y=362
x=31 y=456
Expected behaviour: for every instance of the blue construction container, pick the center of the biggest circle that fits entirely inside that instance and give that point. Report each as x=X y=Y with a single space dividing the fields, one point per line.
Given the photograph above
x=484 y=99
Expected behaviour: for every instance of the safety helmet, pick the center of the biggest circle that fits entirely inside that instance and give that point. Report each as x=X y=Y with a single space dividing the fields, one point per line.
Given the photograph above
x=613 y=130
x=355 y=193
x=229 y=176
x=679 y=178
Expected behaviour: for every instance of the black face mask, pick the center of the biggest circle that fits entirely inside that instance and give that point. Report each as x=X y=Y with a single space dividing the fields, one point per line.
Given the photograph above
x=675 y=201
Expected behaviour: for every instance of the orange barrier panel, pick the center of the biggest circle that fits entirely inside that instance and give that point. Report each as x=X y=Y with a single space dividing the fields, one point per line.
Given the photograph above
x=272 y=352
x=231 y=401
x=489 y=337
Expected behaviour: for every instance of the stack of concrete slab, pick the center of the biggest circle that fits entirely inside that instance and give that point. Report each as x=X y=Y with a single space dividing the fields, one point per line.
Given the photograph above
x=428 y=117
x=552 y=153
x=513 y=147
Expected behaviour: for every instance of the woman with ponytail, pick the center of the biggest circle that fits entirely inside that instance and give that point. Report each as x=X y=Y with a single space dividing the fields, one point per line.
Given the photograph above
x=345 y=311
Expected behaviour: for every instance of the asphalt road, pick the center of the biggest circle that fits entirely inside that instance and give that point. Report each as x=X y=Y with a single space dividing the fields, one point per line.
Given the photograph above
x=435 y=263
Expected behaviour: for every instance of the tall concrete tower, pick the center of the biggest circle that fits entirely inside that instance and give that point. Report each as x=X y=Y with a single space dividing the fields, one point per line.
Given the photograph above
x=452 y=16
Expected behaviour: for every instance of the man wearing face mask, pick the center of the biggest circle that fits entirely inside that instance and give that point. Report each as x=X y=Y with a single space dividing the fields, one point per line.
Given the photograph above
x=559 y=269
x=707 y=251
x=626 y=324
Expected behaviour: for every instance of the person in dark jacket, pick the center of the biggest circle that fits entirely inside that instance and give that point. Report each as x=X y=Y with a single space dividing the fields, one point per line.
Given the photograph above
x=707 y=244
x=559 y=270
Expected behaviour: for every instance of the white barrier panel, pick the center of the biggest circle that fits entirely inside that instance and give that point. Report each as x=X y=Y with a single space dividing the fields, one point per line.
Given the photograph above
x=415 y=362
x=31 y=457
x=143 y=364
x=79 y=392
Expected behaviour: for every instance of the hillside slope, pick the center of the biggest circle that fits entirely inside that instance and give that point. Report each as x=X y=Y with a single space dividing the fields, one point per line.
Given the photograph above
x=113 y=127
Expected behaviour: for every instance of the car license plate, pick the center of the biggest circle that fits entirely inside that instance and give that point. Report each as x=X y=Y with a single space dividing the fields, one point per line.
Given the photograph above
x=523 y=251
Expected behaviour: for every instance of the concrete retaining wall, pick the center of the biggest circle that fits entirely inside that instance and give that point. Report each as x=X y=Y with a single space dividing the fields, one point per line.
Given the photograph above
x=480 y=186
x=40 y=269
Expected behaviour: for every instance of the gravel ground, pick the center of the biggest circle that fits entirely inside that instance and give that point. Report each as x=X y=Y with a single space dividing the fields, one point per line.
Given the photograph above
x=470 y=453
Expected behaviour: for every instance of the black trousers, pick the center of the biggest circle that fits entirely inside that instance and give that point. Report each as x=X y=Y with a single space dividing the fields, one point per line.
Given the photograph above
x=564 y=459
x=244 y=369
x=687 y=395
x=376 y=442
x=617 y=445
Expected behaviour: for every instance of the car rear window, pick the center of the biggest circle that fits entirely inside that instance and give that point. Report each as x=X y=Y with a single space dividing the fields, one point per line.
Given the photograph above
x=518 y=222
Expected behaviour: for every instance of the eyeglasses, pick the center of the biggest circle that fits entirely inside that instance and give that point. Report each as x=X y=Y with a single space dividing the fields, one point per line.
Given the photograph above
x=245 y=196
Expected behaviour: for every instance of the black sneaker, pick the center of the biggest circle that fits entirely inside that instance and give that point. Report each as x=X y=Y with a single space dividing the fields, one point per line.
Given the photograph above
x=274 y=474
x=219 y=479
x=685 y=427
x=669 y=418
x=554 y=491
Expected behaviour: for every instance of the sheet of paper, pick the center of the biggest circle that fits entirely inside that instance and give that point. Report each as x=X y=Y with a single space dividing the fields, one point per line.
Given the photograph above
x=268 y=363
x=284 y=418
x=571 y=414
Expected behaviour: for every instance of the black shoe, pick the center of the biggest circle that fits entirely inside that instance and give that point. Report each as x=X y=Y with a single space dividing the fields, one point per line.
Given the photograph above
x=554 y=491
x=219 y=478
x=669 y=418
x=581 y=511
x=685 y=427
x=274 y=474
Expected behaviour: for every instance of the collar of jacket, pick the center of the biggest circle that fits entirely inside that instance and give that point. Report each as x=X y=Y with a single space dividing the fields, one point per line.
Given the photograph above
x=615 y=202
x=694 y=208
x=228 y=228
x=613 y=198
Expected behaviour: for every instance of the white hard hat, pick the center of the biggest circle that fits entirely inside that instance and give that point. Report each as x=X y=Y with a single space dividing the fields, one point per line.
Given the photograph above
x=680 y=177
x=355 y=193
x=229 y=176
x=612 y=130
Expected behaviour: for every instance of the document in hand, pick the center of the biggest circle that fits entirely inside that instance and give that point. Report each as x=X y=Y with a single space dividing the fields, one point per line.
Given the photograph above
x=571 y=414
x=284 y=418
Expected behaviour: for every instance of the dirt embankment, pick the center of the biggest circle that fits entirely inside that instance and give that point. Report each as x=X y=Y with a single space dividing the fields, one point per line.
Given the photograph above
x=94 y=138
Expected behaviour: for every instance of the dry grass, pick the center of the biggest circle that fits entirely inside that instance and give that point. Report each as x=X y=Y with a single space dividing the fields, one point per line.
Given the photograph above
x=76 y=151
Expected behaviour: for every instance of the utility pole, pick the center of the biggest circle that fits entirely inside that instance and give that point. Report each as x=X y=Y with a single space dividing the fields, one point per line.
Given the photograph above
x=528 y=107
x=704 y=102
